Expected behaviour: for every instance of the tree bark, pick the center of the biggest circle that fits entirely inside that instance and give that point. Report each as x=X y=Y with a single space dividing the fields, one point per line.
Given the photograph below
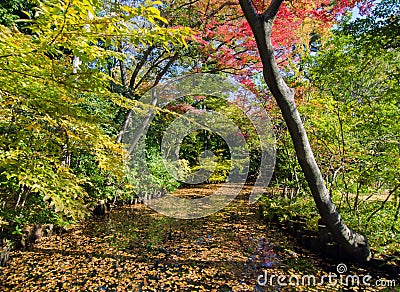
x=150 y=113
x=122 y=67
x=354 y=244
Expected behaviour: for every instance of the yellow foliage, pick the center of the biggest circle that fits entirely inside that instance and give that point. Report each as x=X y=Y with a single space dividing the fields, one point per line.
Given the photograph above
x=42 y=115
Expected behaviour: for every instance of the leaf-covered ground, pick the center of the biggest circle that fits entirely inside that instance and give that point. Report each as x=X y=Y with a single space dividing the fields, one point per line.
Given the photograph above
x=136 y=249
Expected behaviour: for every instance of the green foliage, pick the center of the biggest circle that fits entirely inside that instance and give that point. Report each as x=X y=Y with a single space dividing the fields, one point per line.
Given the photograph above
x=288 y=174
x=12 y=10
x=382 y=232
x=380 y=30
x=352 y=110
x=195 y=145
x=57 y=146
x=160 y=176
x=383 y=239
x=354 y=117
x=282 y=208
x=219 y=168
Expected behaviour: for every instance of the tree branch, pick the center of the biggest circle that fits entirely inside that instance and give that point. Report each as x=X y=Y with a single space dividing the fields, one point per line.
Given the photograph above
x=139 y=66
x=272 y=10
x=166 y=68
x=249 y=12
x=152 y=67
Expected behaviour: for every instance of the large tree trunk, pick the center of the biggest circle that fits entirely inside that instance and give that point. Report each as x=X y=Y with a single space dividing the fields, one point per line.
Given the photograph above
x=354 y=244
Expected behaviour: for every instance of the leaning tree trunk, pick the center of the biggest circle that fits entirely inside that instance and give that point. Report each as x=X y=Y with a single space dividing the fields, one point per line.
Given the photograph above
x=354 y=244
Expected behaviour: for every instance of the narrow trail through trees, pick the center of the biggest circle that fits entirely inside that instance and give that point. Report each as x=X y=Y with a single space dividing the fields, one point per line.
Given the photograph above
x=136 y=249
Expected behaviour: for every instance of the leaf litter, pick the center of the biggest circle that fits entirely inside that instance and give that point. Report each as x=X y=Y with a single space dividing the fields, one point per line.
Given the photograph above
x=136 y=249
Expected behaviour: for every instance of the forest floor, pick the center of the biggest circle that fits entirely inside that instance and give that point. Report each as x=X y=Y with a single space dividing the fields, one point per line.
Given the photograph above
x=136 y=249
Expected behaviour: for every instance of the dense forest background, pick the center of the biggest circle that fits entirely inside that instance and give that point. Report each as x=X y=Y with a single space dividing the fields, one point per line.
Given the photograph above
x=72 y=72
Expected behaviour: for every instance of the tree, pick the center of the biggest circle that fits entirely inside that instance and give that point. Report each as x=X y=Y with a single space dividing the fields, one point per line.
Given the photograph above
x=221 y=42
x=352 y=108
x=224 y=38
x=53 y=113
x=261 y=24
x=379 y=29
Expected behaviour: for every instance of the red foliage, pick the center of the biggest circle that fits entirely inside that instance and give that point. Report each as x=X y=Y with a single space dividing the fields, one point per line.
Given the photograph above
x=227 y=43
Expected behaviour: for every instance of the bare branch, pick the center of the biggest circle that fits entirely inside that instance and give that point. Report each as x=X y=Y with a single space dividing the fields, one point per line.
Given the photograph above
x=166 y=68
x=139 y=66
x=152 y=67
x=383 y=203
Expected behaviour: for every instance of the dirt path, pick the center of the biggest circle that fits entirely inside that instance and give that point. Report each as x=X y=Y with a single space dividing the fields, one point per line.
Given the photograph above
x=136 y=249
